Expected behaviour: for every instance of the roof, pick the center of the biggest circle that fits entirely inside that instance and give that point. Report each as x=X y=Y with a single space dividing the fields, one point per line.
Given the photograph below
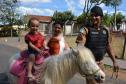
x=41 y=18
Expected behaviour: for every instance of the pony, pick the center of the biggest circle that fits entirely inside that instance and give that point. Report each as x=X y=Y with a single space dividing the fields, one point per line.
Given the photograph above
x=60 y=69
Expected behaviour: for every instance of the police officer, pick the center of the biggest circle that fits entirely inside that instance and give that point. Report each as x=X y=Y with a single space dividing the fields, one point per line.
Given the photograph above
x=96 y=37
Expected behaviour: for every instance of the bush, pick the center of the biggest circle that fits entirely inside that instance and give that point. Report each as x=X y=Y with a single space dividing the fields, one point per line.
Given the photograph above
x=6 y=32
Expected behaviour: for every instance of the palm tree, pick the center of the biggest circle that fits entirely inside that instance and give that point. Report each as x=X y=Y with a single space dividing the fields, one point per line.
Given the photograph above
x=114 y=4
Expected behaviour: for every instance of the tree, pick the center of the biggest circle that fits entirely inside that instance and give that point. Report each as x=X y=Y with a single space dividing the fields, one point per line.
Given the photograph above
x=114 y=4
x=88 y=4
x=9 y=16
x=119 y=18
x=62 y=16
x=8 y=13
x=107 y=20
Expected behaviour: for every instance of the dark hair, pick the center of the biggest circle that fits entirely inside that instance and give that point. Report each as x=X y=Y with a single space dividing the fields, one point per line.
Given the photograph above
x=60 y=23
x=97 y=10
x=31 y=19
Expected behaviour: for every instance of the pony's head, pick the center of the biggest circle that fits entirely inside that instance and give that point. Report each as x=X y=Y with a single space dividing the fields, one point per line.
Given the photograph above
x=87 y=65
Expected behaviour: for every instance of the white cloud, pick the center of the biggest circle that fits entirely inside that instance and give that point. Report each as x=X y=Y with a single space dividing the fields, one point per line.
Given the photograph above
x=102 y=5
x=35 y=11
x=82 y=3
x=31 y=1
x=105 y=11
x=119 y=11
x=48 y=12
x=70 y=4
x=123 y=12
x=111 y=12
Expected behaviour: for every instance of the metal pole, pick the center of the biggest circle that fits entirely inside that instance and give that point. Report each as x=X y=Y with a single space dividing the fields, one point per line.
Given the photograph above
x=115 y=18
x=124 y=48
x=11 y=33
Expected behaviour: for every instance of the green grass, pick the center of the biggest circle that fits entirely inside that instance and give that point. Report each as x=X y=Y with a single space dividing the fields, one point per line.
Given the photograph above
x=117 y=43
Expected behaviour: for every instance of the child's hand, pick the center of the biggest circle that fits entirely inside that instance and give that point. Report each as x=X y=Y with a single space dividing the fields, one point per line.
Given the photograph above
x=39 y=51
x=44 y=53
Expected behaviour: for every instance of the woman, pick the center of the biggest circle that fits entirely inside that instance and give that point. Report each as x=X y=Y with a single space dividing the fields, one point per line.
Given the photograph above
x=57 y=43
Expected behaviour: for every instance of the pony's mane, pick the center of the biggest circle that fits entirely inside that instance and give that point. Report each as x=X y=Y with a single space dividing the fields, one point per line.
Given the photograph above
x=62 y=64
x=85 y=53
x=65 y=54
x=66 y=64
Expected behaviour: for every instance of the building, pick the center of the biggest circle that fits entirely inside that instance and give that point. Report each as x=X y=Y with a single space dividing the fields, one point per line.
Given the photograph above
x=123 y=26
x=46 y=25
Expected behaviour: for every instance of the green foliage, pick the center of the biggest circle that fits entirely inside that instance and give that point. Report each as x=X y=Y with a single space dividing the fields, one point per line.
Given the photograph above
x=8 y=14
x=112 y=3
x=82 y=19
x=119 y=18
x=62 y=16
x=7 y=31
x=9 y=17
x=107 y=20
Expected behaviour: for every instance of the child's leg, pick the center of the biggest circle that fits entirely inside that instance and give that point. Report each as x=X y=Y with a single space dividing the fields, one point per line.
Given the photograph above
x=31 y=61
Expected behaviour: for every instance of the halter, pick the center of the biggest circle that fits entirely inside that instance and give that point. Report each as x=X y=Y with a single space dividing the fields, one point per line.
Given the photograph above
x=89 y=75
x=84 y=74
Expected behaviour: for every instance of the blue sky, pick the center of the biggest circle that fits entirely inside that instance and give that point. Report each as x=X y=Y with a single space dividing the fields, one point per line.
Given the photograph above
x=47 y=7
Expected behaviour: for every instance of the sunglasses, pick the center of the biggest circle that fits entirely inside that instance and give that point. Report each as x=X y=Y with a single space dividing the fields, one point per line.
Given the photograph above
x=94 y=15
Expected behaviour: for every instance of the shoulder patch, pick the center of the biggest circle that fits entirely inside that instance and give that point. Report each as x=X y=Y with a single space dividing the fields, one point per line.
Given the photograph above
x=104 y=32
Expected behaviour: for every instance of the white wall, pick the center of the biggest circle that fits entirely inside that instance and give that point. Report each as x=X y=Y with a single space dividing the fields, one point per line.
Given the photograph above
x=123 y=27
x=68 y=29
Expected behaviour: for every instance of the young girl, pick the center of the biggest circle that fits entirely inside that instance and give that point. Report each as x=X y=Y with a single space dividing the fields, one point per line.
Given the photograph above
x=35 y=42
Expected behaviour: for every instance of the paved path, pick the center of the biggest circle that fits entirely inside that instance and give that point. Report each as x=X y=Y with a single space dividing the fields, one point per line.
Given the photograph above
x=121 y=63
x=5 y=53
x=77 y=79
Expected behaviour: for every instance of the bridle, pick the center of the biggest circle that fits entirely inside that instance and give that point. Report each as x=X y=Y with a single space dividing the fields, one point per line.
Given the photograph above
x=90 y=75
x=82 y=72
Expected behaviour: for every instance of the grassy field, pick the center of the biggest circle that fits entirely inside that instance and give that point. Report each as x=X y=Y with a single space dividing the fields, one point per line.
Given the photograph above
x=117 y=43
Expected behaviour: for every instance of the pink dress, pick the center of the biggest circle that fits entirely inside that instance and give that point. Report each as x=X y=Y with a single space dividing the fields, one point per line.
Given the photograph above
x=19 y=68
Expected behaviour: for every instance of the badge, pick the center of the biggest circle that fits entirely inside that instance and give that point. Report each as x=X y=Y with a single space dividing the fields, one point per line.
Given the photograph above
x=104 y=32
